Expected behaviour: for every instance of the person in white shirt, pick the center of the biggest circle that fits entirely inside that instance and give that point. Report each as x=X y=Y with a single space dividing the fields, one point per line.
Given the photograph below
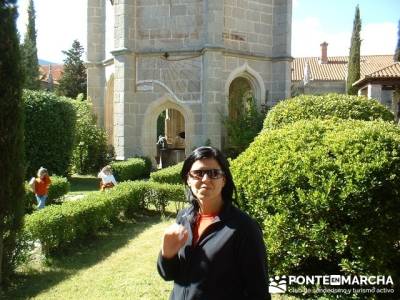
x=107 y=178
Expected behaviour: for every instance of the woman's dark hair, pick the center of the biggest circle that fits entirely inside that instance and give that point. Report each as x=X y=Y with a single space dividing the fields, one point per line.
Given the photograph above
x=210 y=152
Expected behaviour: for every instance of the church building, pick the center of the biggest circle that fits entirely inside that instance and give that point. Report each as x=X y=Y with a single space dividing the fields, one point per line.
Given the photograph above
x=175 y=63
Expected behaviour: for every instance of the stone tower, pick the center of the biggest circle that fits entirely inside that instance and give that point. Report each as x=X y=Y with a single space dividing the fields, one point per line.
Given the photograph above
x=183 y=57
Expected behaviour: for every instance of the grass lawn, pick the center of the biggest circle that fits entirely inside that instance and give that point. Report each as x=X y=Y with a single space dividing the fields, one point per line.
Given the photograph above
x=117 y=264
x=120 y=264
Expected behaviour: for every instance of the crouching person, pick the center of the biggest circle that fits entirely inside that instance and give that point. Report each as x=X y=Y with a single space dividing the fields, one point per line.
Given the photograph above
x=107 y=178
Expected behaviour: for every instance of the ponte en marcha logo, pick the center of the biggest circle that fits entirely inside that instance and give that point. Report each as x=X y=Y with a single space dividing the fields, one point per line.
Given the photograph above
x=346 y=284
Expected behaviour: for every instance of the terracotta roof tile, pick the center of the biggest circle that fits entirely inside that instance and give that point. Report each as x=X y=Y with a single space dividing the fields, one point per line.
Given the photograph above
x=56 y=72
x=336 y=68
x=390 y=72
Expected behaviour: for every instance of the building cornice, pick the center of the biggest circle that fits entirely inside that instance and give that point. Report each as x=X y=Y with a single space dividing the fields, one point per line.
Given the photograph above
x=121 y=51
x=200 y=51
x=103 y=63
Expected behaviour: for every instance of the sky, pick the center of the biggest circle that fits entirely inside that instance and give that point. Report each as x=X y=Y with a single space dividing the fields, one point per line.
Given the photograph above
x=60 y=22
x=316 y=21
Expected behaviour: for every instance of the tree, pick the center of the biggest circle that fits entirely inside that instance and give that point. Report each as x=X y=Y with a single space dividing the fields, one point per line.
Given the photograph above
x=397 y=51
x=396 y=94
x=244 y=127
x=353 y=71
x=73 y=81
x=29 y=52
x=90 y=150
x=11 y=138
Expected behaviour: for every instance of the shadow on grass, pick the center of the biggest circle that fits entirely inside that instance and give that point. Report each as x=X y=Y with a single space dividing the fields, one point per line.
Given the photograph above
x=79 y=257
x=84 y=183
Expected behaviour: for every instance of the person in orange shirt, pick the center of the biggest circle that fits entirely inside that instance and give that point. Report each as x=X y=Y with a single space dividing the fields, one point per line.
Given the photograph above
x=40 y=186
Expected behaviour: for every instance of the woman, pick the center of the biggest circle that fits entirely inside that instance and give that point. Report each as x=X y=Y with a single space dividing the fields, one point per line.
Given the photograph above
x=40 y=186
x=107 y=178
x=214 y=250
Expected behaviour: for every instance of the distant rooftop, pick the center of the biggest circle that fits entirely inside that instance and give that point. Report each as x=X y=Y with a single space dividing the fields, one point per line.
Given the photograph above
x=335 y=67
x=56 y=72
x=391 y=72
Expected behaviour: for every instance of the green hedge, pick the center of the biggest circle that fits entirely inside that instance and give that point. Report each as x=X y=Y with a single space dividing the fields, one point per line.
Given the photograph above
x=57 y=226
x=90 y=152
x=49 y=132
x=58 y=188
x=306 y=107
x=168 y=175
x=328 y=195
x=131 y=169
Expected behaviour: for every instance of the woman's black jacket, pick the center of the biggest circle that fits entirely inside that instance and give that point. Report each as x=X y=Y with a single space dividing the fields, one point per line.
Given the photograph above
x=228 y=262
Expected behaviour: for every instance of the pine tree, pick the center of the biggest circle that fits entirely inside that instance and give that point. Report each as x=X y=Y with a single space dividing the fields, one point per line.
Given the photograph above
x=11 y=139
x=353 y=72
x=73 y=80
x=29 y=52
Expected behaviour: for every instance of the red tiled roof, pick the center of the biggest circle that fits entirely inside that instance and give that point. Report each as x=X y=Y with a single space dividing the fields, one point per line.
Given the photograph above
x=389 y=72
x=392 y=71
x=56 y=72
x=336 y=68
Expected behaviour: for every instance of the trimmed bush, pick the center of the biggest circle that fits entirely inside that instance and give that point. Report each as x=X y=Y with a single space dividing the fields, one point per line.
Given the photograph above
x=57 y=226
x=159 y=195
x=328 y=195
x=307 y=107
x=59 y=187
x=168 y=175
x=49 y=132
x=131 y=169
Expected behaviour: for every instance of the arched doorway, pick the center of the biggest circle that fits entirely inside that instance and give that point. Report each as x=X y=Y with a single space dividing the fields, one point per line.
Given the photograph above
x=170 y=138
x=245 y=92
x=178 y=120
x=241 y=97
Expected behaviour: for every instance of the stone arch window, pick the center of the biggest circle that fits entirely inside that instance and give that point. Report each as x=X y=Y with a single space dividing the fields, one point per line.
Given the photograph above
x=109 y=111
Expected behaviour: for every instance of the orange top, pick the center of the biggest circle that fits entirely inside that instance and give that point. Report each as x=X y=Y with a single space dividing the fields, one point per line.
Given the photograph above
x=42 y=186
x=202 y=222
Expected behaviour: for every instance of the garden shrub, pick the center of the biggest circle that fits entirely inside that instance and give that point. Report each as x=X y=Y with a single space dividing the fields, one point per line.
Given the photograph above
x=306 y=107
x=168 y=175
x=57 y=226
x=242 y=129
x=49 y=132
x=131 y=169
x=90 y=152
x=59 y=187
x=158 y=195
x=328 y=195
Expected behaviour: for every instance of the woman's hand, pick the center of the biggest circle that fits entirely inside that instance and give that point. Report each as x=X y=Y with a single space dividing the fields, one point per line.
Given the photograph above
x=175 y=236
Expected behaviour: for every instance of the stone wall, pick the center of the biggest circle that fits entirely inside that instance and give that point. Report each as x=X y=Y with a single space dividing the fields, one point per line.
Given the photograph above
x=318 y=87
x=95 y=55
x=248 y=26
x=282 y=28
x=169 y=25
x=181 y=74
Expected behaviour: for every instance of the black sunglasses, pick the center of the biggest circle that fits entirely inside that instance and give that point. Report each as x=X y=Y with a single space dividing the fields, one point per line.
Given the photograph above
x=212 y=173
